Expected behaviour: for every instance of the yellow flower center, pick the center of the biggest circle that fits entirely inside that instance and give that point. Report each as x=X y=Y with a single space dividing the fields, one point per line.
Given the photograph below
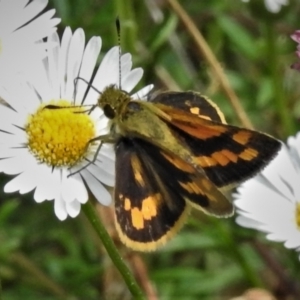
x=298 y=215
x=59 y=135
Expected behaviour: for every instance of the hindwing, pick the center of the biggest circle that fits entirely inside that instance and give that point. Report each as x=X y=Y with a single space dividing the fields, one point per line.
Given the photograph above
x=153 y=192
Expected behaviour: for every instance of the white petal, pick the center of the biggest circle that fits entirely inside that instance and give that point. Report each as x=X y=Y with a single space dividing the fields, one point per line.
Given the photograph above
x=294 y=241
x=62 y=71
x=9 y=8
x=39 y=93
x=101 y=174
x=106 y=164
x=143 y=93
x=74 y=57
x=73 y=208
x=48 y=184
x=89 y=61
x=20 y=25
x=18 y=164
x=60 y=209
x=53 y=61
x=8 y=120
x=126 y=63
x=273 y=172
x=103 y=125
x=108 y=151
x=7 y=151
x=39 y=28
x=247 y=222
x=32 y=9
x=70 y=187
x=81 y=191
x=98 y=190
x=23 y=183
x=107 y=74
x=130 y=80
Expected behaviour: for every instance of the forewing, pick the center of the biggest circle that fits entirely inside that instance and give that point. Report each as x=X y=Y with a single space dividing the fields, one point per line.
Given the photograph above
x=191 y=102
x=227 y=154
x=151 y=194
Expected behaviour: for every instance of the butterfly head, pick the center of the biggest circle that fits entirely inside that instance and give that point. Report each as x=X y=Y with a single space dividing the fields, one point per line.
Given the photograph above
x=112 y=100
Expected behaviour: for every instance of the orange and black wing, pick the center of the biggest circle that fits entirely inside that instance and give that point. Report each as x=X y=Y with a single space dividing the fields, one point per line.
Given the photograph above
x=227 y=154
x=153 y=192
x=191 y=102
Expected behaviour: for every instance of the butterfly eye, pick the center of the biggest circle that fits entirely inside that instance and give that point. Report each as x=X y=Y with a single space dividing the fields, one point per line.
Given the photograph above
x=109 y=111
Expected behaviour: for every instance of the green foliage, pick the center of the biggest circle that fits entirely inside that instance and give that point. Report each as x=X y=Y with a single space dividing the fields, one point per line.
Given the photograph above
x=43 y=258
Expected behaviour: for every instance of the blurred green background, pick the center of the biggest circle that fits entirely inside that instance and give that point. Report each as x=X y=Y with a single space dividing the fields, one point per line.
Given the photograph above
x=210 y=259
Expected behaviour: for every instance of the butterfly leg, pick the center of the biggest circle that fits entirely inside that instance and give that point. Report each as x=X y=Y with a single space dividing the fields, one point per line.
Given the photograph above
x=104 y=139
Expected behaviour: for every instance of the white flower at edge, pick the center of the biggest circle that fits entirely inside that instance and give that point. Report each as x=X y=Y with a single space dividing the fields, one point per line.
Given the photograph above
x=274 y=6
x=54 y=80
x=21 y=33
x=270 y=202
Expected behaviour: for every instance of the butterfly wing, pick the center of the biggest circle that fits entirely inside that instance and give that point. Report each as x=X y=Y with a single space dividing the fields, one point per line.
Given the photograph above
x=153 y=193
x=191 y=102
x=227 y=154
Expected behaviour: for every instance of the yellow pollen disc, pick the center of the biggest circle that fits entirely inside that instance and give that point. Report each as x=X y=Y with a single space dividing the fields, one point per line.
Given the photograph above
x=298 y=215
x=59 y=135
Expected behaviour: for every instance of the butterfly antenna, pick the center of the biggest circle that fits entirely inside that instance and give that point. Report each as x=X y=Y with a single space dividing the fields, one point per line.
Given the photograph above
x=88 y=84
x=118 y=26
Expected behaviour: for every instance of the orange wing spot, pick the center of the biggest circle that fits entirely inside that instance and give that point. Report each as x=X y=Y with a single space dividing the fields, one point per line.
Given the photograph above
x=206 y=184
x=242 y=137
x=220 y=158
x=205 y=117
x=205 y=161
x=203 y=131
x=137 y=218
x=208 y=189
x=230 y=155
x=127 y=204
x=138 y=177
x=149 y=208
x=137 y=170
x=179 y=163
x=195 y=110
x=147 y=212
x=248 y=154
x=201 y=187
x=191 y=187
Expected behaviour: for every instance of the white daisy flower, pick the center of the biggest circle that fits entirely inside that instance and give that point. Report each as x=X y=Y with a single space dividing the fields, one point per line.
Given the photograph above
x=274 y=6
x=39 y=144
x=21 y=32
x=270 y=202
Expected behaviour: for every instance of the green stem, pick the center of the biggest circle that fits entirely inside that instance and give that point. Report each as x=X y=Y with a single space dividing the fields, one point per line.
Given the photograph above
x=112 y=251
x=276 y=73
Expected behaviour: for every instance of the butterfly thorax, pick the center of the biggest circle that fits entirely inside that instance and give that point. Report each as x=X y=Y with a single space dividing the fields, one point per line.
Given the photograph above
x=130 y=117
x=141 y=119
x=113 y=101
